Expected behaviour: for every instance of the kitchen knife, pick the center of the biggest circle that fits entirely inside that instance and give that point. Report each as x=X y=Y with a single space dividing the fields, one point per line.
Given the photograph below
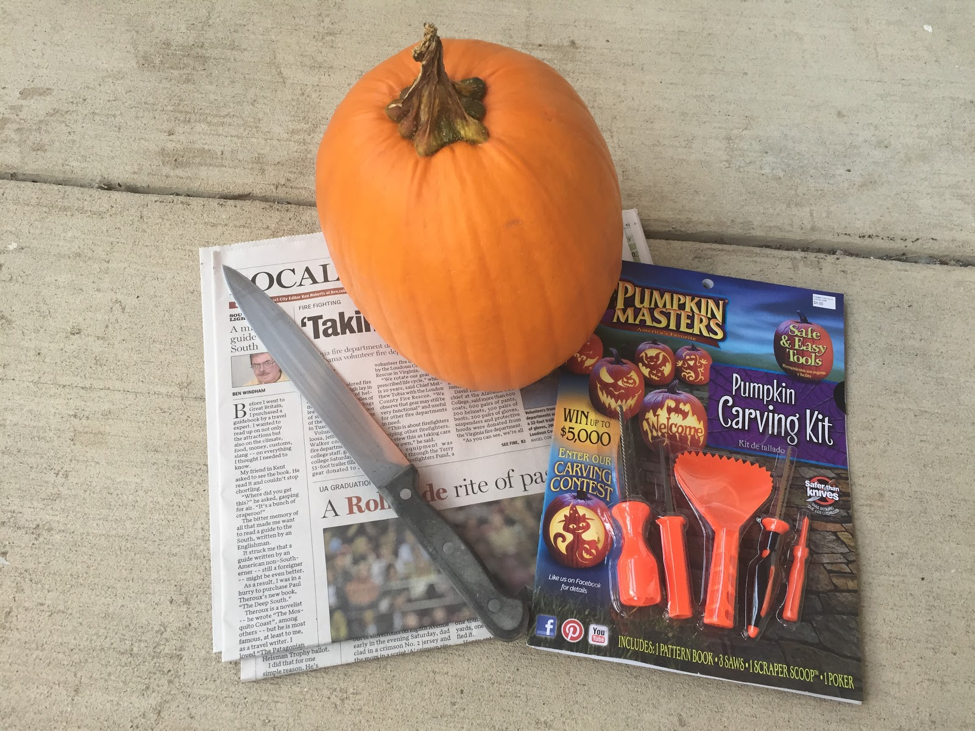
x=382 y=461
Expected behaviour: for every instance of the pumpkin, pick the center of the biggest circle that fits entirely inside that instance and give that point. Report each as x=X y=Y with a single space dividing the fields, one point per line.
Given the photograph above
x=803 y=349
x=674 y=418
x=585 y=357
x=656 y=362
x=693 y=365
x=615 y=381
x=472 y=210
x=577 y=530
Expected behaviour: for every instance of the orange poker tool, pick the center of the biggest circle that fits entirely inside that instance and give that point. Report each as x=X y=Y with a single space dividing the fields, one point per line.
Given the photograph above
x=673 y=545
x=797 y=574
x=637 y=574
x=726 y=492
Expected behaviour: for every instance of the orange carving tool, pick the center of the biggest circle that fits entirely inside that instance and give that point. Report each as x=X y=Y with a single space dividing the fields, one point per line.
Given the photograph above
x=765 y=570
x=673 y=545
x=797 y=574
x=726 y=493
x=637 y=574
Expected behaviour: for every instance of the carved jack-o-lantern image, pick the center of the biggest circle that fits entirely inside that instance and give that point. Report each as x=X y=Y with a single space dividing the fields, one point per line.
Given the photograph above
x=614 y=382
x=577 y=530
x=582 y=361
x=694 y=365
x=804 y=349
x=673 y=417
x=656 y=362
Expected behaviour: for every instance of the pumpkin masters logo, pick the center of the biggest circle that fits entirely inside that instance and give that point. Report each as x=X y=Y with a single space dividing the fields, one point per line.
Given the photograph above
x=663 y=312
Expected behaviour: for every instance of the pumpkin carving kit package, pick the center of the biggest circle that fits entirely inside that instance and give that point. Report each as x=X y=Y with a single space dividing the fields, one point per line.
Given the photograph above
x=697 y=504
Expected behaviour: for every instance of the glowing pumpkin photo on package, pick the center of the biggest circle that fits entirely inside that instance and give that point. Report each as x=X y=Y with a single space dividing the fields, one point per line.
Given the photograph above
x=674 y=417
x=576 y=530
x=656 y=362
x=616 y=382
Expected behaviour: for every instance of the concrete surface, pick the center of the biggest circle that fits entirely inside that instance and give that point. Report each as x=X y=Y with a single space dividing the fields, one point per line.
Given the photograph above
x=832 y=125
x=104 y=599
x=803 y=125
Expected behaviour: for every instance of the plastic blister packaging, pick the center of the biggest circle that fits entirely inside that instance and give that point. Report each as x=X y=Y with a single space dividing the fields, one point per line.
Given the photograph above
x=649 y=566
x=796 y=589
x=635 y=578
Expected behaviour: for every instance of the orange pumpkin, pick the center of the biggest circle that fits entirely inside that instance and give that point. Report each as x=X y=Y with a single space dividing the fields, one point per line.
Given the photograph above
x=476 y=221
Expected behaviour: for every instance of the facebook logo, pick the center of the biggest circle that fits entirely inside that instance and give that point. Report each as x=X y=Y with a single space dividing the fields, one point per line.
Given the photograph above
x=546 y=626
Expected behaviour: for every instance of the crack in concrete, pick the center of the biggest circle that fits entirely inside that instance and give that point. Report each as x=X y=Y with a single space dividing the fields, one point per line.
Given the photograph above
x=778 y=243
x=814 y=246
x=147 y=189
x=90 y=387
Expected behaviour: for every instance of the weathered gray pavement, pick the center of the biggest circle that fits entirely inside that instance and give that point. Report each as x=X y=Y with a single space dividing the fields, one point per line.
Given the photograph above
x=745 y=125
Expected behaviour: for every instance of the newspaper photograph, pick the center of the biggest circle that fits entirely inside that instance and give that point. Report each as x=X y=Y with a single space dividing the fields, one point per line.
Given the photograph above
x=309 y=565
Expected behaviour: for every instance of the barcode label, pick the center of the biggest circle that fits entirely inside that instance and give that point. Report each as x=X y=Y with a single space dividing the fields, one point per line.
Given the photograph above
x=825 y=301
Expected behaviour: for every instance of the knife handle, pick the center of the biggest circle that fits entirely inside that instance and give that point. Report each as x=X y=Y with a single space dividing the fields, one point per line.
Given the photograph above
x=504 y=616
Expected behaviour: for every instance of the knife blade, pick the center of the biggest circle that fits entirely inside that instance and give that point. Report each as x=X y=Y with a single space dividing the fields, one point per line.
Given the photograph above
x=379 y=458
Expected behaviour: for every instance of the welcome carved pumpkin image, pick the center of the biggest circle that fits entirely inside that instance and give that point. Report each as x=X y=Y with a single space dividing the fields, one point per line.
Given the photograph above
x=576 y=529
x=694 y=365
x=615 y=381
x=583 y=360
x=672 y=416
x=472 y=209
x=656 y=362
x=803 y=349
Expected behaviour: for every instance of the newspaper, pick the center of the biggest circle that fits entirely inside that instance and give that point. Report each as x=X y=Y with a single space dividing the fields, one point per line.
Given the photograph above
x=309 y=566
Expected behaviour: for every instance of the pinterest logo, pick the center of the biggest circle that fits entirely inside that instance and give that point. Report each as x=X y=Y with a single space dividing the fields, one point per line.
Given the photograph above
x=572 y=630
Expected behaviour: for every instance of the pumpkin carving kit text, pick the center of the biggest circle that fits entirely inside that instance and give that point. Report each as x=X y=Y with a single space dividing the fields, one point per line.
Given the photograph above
x=816 y=426
x=688 y=546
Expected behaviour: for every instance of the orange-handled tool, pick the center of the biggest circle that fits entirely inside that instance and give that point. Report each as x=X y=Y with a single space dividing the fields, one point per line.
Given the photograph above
x=673 y=546
x=797 y=574
x=637 y=574
x=765 y=570
x=725 y=493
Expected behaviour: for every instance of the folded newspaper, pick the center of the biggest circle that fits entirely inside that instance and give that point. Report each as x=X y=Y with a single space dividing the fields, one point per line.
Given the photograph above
x=310 y=568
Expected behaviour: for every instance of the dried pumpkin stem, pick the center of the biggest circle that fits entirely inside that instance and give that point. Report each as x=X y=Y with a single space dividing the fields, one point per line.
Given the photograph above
x=435 y=111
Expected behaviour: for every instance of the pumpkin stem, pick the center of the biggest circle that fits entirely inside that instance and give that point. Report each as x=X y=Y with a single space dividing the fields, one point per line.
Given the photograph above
x=672 y=388
x=435 y=111
x=802 y=316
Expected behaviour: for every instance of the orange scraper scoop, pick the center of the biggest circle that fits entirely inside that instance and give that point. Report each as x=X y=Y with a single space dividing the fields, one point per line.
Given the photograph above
x=726 y=492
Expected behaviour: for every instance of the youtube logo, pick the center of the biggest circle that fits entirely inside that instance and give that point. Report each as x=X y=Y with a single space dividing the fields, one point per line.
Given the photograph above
x=598 y=635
